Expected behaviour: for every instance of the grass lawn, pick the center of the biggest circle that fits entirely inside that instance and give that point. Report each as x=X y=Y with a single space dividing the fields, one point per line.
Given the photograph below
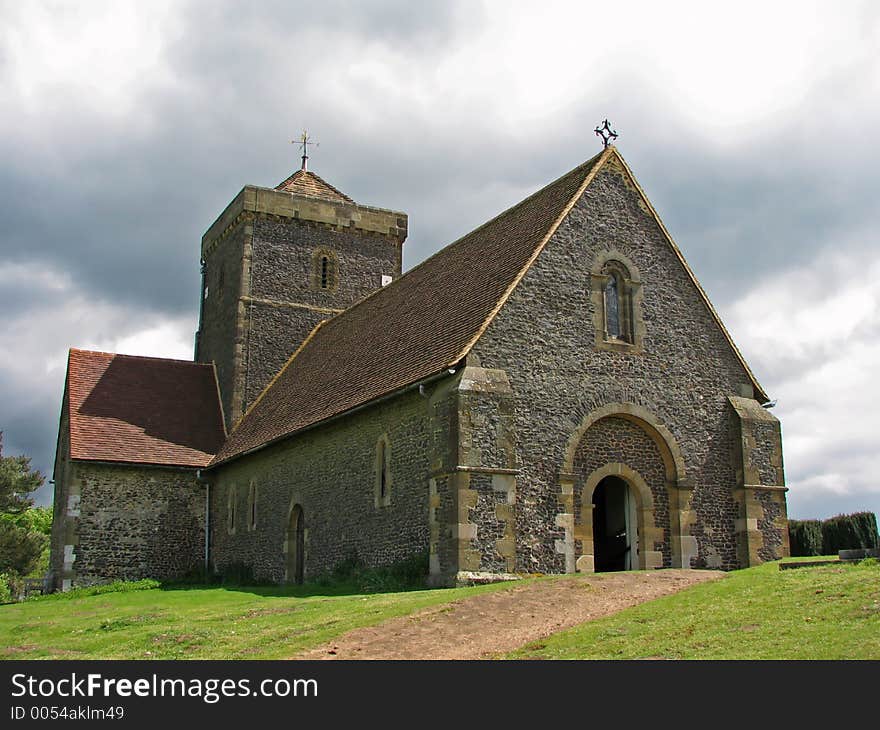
x=823 y=612
x=201 y=623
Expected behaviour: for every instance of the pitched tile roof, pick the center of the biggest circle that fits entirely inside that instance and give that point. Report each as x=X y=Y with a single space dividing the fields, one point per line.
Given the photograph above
x=304 y=182
x=417 y=326
x=424 y=322
x=142 y=410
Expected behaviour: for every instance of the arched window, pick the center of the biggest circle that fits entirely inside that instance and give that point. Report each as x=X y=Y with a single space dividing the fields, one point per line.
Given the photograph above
x=612 y=306
x=383 y=473
x=231 y=499
x=252 y=507
x=325 y=272
x=617 y=303
x=616 y=298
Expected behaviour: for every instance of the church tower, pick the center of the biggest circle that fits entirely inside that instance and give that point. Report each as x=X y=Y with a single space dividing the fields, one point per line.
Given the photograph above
x=275 y=263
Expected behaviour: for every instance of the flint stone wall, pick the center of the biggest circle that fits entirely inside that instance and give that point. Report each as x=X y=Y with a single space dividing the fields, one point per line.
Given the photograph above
x=128 y=523
x=330 y=472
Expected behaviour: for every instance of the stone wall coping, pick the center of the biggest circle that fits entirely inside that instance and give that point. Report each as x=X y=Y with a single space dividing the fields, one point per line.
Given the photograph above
x=477 y=469
x=475 y=577
x=748 y=409
x=256 y=199
x=762 y=487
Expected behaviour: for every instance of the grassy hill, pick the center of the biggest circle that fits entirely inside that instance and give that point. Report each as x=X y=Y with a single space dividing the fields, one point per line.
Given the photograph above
x=828 y=612
x=823 y=612
x=201 y=623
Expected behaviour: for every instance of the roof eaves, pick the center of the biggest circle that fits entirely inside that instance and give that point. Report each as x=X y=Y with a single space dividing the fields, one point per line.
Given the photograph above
x=328 y=419
x=129 y=462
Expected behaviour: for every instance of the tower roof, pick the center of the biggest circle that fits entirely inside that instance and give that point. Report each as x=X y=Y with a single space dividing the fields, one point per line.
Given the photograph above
x=305 y=182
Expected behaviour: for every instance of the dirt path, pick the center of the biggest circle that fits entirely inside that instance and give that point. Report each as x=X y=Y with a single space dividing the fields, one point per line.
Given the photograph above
x=494 y=623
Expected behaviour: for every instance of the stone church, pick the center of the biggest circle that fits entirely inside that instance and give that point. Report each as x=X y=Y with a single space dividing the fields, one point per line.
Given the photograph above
x=553 y=392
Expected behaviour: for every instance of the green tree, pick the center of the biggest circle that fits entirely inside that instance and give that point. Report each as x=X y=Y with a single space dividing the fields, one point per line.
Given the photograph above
x=21 y=538
x=34 y=519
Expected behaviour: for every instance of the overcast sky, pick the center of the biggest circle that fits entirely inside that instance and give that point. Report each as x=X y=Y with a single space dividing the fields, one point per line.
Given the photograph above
x=125 y=129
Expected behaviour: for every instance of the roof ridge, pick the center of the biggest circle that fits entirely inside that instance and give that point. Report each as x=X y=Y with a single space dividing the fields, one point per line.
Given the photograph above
x=593 y=160
x=141 y=357
x=329 y=185
x=299 y=174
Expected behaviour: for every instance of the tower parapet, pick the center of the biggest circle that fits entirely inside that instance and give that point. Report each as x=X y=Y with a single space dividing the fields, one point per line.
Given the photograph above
x=275 y=263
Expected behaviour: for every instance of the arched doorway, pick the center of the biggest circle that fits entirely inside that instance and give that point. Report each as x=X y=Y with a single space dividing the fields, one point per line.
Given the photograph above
x=296 y=546
x=615 y=526
x=626 y=440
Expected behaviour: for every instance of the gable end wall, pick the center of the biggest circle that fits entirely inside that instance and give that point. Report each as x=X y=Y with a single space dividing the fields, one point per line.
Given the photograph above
x=544 y=338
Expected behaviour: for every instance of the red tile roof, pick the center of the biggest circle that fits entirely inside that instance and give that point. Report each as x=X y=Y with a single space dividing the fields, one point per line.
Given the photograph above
x=417 y=326
x=303 y=182
x=142 y=410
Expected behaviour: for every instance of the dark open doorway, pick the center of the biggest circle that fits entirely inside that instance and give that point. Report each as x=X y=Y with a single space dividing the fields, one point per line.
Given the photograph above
x=614 y=531
x=296 y=546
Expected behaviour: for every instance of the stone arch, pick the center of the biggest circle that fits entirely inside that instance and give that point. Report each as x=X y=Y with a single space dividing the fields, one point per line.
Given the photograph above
x=612 y=254
x=682 y=547
x=640 y=488
x=642 y=417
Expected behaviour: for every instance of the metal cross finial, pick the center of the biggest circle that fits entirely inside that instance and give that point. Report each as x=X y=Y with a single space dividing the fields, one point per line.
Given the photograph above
x=304 y=141
x=606 y=133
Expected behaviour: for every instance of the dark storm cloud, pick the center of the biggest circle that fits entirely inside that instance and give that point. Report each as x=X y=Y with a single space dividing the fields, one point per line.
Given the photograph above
x=115 y=209
x=29 y=422
x=744 y=219
x=122 y=212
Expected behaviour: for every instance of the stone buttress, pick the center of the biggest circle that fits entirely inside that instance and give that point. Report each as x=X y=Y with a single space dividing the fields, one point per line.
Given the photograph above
x=762 y=528
x=472 y=502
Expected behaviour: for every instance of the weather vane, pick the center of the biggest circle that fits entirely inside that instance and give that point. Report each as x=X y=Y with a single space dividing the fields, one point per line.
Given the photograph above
x=606 y=133
x=304 y=141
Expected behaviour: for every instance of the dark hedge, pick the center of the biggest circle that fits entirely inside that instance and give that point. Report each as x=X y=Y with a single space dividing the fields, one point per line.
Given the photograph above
x=842 y=532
